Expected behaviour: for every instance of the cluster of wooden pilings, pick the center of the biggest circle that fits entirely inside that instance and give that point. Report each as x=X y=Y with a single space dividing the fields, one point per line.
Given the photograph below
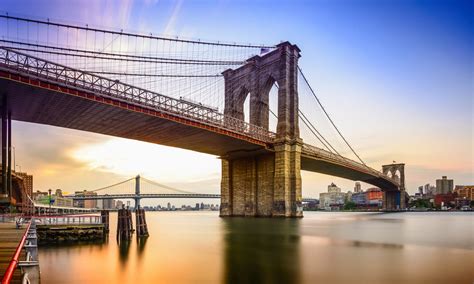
x=125 y=225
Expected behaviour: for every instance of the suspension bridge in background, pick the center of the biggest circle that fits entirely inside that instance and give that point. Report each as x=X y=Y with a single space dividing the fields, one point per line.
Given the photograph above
x=139 y=187
x=240 y=102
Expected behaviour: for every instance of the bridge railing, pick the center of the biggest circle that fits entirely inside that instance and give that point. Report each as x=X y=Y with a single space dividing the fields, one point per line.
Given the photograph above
x=26 y=64
x=343 y=160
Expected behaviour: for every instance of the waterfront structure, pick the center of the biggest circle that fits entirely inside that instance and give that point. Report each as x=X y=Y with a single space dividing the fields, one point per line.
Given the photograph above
x=465 y=192
x=444 y=185
x=108 y=204
x=333 y=199
x=118 y=204
x=28 y=182
x=85 y=203
x=57 y=199
x=445 y=199
x=374 y=197
x=360 y=199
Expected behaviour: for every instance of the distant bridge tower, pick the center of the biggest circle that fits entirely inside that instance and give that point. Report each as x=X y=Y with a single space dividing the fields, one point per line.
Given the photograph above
x=257 y=184
x=137 y=192
x=393 y=200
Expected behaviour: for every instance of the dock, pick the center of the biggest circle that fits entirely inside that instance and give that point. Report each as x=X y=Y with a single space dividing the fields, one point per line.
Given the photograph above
x=10 y=237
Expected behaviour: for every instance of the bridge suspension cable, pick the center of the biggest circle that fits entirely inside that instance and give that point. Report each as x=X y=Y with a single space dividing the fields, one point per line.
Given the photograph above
x=165 y=186
x=311 y=128
x=329 y=117
x=113 y=185
x=122 y=33
x=175 y=67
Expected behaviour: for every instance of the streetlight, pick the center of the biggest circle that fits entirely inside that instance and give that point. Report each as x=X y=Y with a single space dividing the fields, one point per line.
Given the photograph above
x=49 y=191
x=14 y=159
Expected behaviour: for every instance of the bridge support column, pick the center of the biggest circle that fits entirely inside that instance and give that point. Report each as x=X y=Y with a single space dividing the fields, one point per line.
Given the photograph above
x=4 y=192
x=390 y=199
x=287 y=195
x=137 y=192
x=265 y=185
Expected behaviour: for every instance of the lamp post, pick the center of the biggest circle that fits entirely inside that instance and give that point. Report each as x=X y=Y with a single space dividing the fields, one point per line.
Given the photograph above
x=49 y=191
x=14 y=159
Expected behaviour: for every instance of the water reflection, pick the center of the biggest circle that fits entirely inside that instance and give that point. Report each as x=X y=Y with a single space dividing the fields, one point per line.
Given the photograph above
x=124 y=249
x=141 y=244
x=261 y=251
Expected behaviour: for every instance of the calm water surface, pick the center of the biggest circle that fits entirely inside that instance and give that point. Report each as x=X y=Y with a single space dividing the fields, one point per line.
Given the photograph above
x=200 y=247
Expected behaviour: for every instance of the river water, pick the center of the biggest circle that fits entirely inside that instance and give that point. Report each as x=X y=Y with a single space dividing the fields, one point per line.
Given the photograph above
x=323 y=247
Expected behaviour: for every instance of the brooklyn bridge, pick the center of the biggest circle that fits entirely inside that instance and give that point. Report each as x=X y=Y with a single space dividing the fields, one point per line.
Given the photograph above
x=189 y=94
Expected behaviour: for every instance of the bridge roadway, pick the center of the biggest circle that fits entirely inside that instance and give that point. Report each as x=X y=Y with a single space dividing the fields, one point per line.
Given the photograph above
x=154 y=195
x=47 y=93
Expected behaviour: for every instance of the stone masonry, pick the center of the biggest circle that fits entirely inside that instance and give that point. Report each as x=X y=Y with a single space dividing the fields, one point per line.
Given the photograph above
x=256 y=184
x=396 y=171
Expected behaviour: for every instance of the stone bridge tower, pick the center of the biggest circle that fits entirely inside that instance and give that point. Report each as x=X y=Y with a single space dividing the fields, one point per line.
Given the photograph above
x=256 y=183
x=394 y=200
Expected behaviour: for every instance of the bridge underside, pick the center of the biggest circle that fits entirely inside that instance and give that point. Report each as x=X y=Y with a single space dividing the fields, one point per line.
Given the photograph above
x=313 y=164
x=69 y=108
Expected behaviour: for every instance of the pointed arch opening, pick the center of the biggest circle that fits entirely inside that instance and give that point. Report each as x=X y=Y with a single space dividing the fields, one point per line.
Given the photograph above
x=246 y=107
x=270 y=93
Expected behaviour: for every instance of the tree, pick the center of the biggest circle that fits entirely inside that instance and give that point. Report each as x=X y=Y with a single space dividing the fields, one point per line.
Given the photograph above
x=350 y=205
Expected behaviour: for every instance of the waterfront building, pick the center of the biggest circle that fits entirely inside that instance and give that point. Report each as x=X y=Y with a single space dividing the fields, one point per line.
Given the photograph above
x=28 y=182
x=444 y=185
x=465 y=192
x=108 y=204
x=445 y=199
x=359 y=198
x=333 y=199
x=420 y=190
x=57 y=197
x=119 y=204
x=357 y=187
x=374 y=197
x=85 y=203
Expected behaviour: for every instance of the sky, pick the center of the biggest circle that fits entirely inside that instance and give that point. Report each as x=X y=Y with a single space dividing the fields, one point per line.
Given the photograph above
x=396 y=77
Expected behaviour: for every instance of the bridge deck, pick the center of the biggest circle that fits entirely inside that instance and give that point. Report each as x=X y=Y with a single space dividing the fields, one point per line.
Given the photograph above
x=35 y=104
x=9 y=239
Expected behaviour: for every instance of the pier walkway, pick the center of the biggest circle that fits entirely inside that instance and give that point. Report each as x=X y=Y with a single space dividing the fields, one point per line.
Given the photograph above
x=10 y=237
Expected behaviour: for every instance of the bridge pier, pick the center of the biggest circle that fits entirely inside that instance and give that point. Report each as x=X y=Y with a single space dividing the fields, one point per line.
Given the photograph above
x=391 y=201
x=266 y=185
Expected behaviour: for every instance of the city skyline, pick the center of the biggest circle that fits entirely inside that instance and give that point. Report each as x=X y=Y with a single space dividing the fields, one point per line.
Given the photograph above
x=400 y=113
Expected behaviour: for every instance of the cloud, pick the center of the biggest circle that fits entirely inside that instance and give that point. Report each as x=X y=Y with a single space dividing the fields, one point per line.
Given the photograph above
x=170 y=28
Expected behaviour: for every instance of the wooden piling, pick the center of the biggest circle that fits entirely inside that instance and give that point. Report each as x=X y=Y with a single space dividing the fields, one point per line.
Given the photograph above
x=104 y=217
x=124 y=225
x=142 y=229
